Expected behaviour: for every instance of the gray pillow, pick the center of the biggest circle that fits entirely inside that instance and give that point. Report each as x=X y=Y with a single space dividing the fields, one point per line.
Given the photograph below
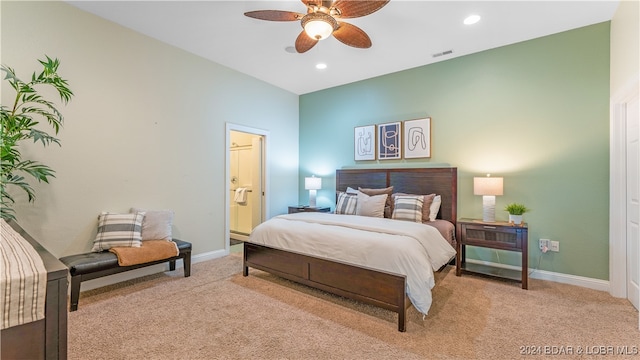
x=156 y=224
x=408 y=207
x=346 y=203
x=118 y=230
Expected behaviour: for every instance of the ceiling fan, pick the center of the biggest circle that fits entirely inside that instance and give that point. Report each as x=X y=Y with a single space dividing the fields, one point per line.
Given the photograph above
x=321 y=20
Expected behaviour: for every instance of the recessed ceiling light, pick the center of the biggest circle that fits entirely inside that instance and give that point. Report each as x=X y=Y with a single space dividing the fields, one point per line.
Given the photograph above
x=321 y=66
x=471 y=19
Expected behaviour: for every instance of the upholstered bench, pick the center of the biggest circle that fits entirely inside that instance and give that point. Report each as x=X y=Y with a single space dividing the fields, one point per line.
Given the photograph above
x=94 y=265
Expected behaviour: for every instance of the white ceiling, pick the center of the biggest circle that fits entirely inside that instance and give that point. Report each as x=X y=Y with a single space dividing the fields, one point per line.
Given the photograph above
x=405 y=34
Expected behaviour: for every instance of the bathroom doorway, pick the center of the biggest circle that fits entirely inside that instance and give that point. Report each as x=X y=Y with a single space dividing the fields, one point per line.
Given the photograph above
x=246 y=181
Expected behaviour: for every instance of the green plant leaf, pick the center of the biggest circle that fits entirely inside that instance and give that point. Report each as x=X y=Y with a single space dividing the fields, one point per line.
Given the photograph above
x=20 y=122
x=516 y=209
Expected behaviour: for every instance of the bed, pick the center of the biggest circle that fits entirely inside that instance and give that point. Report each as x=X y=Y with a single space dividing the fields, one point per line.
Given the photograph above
x=45 y=338
x=369 y=284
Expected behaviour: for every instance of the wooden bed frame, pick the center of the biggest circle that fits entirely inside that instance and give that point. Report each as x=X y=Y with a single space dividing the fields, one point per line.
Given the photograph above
x=384 y=289
x=45 y=338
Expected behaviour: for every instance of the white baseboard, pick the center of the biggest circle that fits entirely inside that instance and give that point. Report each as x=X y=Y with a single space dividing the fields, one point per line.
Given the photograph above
x=595 y=284
x=590 y=283
x=149 y=270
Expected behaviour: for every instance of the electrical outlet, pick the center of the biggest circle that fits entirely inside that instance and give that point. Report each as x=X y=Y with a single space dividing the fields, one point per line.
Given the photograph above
x=544 y=244
x=555 y=246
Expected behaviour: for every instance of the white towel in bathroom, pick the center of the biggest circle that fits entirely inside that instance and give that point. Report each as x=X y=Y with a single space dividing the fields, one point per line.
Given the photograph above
x=241 y=195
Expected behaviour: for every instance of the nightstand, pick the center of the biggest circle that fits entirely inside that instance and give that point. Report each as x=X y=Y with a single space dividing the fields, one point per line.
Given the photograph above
x=297 y=209
x=495 y=235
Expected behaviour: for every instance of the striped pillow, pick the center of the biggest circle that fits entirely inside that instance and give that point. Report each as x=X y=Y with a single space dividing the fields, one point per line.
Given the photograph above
x=346 y=204
x=118 y=230
x=408 y=208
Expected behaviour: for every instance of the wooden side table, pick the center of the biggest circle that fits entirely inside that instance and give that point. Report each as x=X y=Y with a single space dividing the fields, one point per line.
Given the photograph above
x=297 y=209
x=495 y=235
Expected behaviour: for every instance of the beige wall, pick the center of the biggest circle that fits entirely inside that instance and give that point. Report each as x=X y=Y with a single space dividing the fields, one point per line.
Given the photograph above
x=625 y=44
x=146 y=128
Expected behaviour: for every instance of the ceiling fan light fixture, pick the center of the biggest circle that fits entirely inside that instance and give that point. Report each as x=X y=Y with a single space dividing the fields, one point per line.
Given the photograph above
x=319 y=26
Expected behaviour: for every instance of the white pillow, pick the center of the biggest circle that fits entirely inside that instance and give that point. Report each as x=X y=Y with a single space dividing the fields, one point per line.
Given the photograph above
x=156 y=224
x=351 y=190
x=435 y=207
x=372 y=206
x=118 y=230
x=408 y=207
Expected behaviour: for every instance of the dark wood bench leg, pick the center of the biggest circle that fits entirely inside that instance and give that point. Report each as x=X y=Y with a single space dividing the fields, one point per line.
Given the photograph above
x=172 y=265
x=187 y=264
x=75 y=292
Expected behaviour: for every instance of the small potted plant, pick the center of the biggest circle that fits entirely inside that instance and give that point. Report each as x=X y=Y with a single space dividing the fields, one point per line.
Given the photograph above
x=515 y=211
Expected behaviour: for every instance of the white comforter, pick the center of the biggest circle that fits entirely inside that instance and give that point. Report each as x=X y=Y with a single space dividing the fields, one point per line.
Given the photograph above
x=411 y=249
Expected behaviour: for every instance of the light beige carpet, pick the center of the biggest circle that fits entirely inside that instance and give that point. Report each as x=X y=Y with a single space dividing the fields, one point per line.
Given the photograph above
x=219 y=314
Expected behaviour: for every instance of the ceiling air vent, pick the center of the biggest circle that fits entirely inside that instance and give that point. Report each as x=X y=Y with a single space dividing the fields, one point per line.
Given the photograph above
x=447 y=52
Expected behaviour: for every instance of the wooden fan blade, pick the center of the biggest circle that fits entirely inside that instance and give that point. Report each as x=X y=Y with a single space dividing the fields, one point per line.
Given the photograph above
x=352 y=35
x=304 y=42
x=274 y=15
x=356 y=8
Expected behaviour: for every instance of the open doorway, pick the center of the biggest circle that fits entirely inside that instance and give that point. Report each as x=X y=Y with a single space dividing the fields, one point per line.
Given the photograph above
x=624 y=227
x=246 y=185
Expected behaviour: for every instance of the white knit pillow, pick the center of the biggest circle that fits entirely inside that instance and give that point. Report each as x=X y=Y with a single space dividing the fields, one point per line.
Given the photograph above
x=118 y=230
x=435 y=207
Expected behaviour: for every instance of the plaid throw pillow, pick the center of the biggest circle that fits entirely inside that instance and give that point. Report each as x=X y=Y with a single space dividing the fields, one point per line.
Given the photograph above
x=346 y=204
x=408 y=208
x=118 y=230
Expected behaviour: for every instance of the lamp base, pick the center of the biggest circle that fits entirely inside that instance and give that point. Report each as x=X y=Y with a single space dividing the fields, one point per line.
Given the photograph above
x=488 y=208
x=312 y=198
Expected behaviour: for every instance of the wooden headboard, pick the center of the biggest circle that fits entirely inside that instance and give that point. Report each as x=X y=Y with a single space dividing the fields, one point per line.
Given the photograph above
x=421 y=181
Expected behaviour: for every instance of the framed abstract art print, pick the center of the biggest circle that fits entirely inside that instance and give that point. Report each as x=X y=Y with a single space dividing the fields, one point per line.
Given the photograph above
x=417 y=138
x=365 y=143
x=389 y=141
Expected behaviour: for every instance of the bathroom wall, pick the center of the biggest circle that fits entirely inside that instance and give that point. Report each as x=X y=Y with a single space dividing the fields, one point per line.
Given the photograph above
x=244 y=163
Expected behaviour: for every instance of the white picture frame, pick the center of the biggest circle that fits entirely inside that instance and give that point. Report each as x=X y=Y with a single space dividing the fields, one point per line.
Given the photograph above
x=364 y=140
x=417 y=138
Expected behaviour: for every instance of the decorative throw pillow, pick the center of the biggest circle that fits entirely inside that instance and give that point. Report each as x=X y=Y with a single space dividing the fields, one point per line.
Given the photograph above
x=408 y=208
x=371 y=205
x=435 y=207
x=156 y=224
x=388 y=207
x=346 y=204
x=118 y=230
x=426 y=204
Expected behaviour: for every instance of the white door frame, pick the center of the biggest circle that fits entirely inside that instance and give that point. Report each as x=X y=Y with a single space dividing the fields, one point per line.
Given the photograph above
x=229 y=127
x=617 y=191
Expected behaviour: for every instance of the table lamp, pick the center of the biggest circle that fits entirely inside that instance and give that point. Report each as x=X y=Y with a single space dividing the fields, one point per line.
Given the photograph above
x=488 y=187
x=312 y=184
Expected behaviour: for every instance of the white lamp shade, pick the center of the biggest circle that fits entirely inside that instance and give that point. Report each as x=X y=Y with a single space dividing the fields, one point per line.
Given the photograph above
x=312 y=183
x=487 y=185
x=318 y=29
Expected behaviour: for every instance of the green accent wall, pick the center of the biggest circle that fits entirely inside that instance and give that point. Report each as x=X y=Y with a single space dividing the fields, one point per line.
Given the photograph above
x=535 y=113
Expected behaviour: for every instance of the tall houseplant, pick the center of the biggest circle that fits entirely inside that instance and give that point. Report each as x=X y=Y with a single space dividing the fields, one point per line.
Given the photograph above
x=20 y=122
